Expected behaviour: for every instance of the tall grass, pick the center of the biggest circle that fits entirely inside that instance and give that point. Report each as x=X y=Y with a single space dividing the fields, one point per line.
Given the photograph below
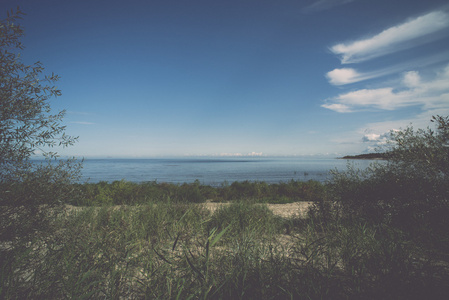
x=242 y=251
x=131 y=193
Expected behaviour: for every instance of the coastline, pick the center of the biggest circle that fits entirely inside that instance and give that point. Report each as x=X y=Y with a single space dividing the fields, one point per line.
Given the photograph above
x=369 y=156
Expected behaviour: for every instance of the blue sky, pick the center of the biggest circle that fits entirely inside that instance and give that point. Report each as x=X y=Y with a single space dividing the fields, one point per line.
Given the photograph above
x=248 y=77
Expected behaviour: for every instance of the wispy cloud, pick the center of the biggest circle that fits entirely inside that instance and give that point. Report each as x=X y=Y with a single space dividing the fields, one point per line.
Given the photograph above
x=382 y=98
x=345 y=76
x=393 y=39
x=342 y=76
x=414 y=85
x=429 y=94
x=321 y=5
x=338 y=107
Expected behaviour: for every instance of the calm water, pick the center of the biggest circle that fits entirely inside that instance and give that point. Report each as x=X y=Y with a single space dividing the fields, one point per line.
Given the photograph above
x=213 y=171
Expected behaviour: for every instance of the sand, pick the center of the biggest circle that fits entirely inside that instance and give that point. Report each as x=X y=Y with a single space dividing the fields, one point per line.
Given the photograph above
x=282 y=210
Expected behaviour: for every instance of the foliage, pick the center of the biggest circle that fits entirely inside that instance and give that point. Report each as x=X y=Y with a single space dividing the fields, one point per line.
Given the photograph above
x=26 y=122
x=182 y=251
x=243 y=216
x=131 y=193
x=426 y=150
x=27 y=125
x=410 y=191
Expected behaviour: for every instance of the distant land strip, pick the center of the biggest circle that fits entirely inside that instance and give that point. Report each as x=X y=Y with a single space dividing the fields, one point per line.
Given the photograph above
x=366 y=156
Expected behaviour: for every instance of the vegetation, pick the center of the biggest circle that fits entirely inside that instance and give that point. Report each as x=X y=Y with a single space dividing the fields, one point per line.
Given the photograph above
x=27 y=126
x=377 y=234
x=131 y=193
x=241 y=251
x=410 y=192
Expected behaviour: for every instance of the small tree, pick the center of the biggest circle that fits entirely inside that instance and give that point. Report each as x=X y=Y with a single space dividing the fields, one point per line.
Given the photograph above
x=27 y=125
x=426 y=150
x=409 y=191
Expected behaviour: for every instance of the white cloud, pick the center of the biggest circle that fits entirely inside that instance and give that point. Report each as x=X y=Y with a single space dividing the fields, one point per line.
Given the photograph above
x=411 y=79
x=392 y=39
x=349 y=75
x=343 y=76
x=338 y=107
x=375 y=135
x=370 y=137
x=375 y=139
x=382 y=98
x=431 y=94
x=324 y=5
x=410 y=88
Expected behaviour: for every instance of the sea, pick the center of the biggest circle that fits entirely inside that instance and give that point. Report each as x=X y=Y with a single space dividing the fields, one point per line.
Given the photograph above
x=215 y=171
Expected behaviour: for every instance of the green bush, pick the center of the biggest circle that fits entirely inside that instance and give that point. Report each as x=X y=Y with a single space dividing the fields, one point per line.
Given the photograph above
x=409 y=191
x=244 y=217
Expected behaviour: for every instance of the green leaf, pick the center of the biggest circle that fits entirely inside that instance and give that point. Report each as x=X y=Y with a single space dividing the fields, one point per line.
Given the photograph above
x=218 y=237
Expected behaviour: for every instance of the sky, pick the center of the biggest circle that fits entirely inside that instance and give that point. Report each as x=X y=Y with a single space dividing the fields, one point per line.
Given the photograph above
x=239 y=77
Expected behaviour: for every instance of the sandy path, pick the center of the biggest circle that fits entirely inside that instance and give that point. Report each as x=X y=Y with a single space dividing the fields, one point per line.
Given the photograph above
x=282 y=210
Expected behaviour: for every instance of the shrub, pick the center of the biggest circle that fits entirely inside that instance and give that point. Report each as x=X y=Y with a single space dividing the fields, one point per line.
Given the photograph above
x=244 y=217
x=409 y=191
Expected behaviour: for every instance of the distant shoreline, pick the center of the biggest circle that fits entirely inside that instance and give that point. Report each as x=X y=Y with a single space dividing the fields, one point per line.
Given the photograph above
x=373 y=156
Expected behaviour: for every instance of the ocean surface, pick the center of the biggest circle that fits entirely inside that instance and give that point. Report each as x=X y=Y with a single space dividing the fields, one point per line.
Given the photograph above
x=214 y=171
